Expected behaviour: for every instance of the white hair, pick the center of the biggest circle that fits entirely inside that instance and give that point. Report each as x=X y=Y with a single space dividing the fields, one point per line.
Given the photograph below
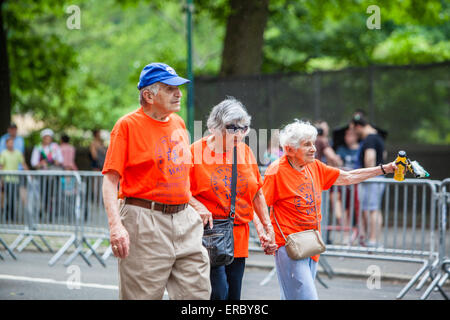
x=294 y=133
x=153 y=88
x=229 y=111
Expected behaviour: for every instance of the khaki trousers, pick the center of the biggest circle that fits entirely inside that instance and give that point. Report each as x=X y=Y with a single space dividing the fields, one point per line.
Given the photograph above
x=166 y=252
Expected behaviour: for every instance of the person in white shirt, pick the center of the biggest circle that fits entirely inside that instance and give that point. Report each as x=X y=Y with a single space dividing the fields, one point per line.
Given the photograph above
x=46 y=155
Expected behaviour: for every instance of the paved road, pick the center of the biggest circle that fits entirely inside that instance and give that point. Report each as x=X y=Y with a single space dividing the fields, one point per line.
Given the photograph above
x=31 y=278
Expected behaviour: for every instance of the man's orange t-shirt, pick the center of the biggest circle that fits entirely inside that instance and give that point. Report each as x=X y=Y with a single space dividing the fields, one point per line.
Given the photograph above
x=290 y=194
x=152 y=158
x=211 y=185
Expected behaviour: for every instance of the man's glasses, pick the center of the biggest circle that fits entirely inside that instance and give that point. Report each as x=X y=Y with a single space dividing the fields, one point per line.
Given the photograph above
x=231 y=128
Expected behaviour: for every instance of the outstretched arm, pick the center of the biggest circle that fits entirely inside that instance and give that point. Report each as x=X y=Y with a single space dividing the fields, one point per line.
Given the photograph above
x=359 y=175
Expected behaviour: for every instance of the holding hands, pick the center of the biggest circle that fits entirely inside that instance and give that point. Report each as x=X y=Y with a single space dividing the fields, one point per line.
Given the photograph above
x=266 y=237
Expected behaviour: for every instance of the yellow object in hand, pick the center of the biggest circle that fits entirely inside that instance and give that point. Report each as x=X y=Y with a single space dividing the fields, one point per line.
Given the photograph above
x=401 y=163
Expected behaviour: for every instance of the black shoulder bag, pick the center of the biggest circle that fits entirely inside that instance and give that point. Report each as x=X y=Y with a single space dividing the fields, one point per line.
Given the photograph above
x=219 y=240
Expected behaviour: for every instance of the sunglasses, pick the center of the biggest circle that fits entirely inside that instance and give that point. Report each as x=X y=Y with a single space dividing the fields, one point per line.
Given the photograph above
x=231 y=128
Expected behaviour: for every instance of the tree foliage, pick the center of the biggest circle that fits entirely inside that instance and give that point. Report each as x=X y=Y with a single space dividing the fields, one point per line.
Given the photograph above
x=39 y=62
x=308 y=35
x=87 y=78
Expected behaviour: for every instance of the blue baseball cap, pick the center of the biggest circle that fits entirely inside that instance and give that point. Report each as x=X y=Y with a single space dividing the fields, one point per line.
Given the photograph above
x=159 y=72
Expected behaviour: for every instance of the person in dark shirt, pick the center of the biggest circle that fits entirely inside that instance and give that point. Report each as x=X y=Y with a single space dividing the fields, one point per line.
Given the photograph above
x=349 y=152
x=371 y=153
x=374 y=144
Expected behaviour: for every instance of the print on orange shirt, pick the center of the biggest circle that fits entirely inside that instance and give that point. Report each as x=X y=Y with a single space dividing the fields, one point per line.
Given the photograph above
x=211 y=185
x=221 y=184
x=152 y=157
x=168 y=155
x=290 y=193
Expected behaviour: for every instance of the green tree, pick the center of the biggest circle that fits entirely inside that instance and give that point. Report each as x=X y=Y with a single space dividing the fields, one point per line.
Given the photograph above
x=309 y=35
x=87 y=78
x=37 y=65
x=5 y=85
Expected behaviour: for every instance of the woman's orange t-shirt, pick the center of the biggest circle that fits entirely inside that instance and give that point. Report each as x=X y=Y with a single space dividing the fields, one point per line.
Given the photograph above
x=290 y=194
x=152 y=158
x=211 y=185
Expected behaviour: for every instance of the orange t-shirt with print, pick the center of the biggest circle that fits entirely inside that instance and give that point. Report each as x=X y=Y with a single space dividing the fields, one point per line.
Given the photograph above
x=211 y=185
x=152 y=158
x=290 y=193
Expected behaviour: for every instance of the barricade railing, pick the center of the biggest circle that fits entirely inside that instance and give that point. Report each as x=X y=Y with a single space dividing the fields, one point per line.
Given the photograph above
x=442 y=271
x=69 y=204
x=409 y=231
x=95 y=218
x=48 y=204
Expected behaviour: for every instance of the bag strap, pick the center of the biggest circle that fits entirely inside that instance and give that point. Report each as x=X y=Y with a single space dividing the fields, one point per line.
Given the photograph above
x=274 y=215
x=315 y=206
x=233 y=184
x=314 y=197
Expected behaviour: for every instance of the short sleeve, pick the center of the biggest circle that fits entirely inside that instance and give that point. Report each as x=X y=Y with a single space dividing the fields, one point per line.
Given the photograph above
x=116 y=156
x=21 y=144
x=58 y=154
x=258 y=176
x=328 y=175
x=341 y=152
x=255 y=167
x=371 y=142
x=268 y=189
x=21 y=157
x=34 y=157
x=193 y=181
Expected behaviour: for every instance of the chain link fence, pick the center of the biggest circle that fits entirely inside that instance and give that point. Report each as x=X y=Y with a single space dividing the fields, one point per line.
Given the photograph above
x=411 y=103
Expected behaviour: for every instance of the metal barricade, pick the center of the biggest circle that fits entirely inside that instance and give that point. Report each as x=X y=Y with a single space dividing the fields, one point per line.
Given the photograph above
x=442 y=271
x=409 y=229
x=44 y=204
x=29 y=203
x=95 y=223
x=70 y=204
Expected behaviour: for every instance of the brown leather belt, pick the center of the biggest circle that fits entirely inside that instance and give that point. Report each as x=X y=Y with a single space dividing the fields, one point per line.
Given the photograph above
x=148 y=204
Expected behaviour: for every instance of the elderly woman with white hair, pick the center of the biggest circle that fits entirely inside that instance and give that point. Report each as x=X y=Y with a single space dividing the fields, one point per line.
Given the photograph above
x=292 y=188
x=47 y=155
x=210 y=179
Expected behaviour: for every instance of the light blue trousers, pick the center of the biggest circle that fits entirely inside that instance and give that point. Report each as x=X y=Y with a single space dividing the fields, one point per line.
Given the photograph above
x=295 y=277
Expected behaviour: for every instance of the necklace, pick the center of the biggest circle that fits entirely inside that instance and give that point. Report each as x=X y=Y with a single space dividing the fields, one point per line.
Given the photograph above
x=295 y=166
x=297 y=169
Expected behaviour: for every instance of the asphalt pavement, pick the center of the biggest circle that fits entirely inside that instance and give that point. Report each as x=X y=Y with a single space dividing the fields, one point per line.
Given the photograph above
x=30 y=278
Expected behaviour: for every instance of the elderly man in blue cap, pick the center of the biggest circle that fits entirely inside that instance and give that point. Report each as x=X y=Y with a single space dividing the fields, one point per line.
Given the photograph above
x=155 y=234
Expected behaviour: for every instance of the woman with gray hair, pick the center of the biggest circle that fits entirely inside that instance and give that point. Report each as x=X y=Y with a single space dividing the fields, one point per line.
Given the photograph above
x=292 y=188
x=210 y=179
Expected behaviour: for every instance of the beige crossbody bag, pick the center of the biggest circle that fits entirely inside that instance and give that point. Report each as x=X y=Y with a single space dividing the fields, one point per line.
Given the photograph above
x=304 y=244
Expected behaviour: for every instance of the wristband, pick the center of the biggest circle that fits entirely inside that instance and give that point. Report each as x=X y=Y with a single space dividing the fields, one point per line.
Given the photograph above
x=382 y=169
